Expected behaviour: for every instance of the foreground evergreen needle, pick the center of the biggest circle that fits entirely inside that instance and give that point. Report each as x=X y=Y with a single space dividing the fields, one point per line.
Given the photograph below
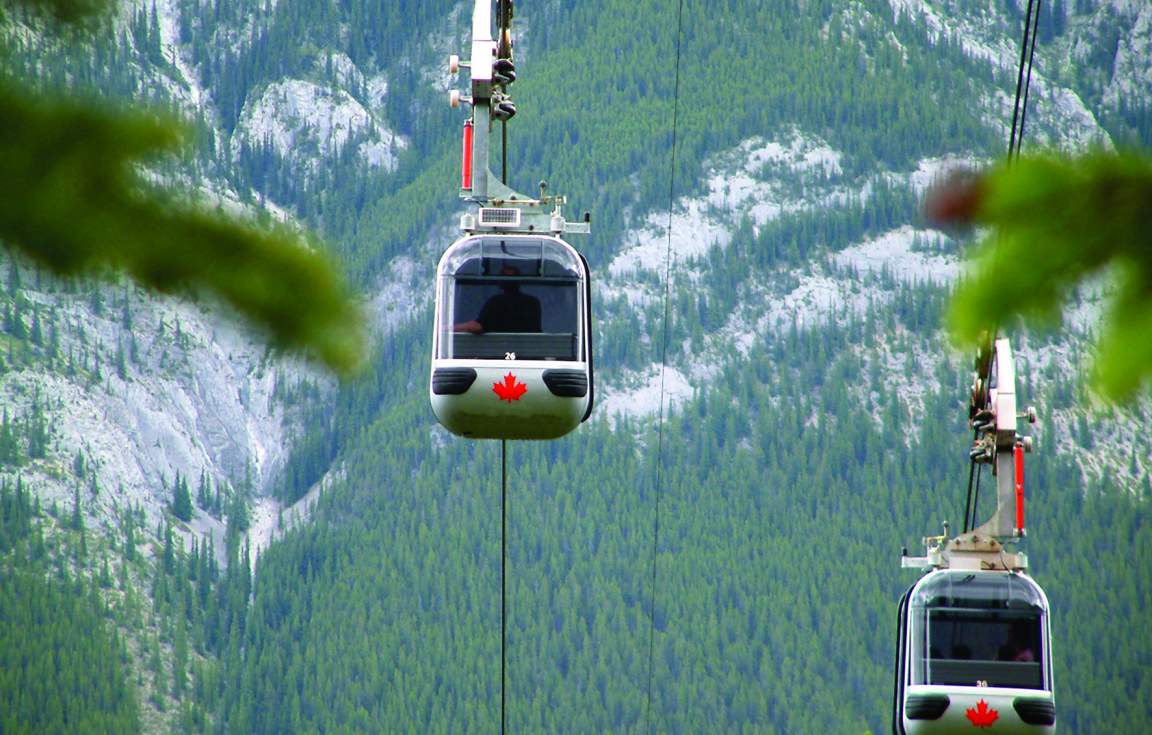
x=75 y=202
x=1057 y=221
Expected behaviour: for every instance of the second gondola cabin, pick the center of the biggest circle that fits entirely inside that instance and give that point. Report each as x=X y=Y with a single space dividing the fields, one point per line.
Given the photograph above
x=511 y=350
x=974 y=655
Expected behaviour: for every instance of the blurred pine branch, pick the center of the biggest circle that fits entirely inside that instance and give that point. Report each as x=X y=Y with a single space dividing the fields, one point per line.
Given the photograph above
x=1057 y=220
x=75 y=201
x=67 y=12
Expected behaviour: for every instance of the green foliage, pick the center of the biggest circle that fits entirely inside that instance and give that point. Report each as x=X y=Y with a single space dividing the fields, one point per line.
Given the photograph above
x=68 y=12
x=1057 y=222
x=76 y=204
x=181 y=499
x=61 y=668
x=24 y=439
x=237 y=512
x=786 y=500
x=75 y=201
x=784 y=486
x=788 y=492
x=17 y=513
x=10 y=453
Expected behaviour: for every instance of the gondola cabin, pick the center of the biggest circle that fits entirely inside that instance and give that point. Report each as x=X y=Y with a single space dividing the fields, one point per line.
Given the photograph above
x=974 y=656
x=511 y=351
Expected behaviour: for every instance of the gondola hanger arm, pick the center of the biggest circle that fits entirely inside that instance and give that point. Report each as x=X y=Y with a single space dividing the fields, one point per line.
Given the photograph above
x=491 y=71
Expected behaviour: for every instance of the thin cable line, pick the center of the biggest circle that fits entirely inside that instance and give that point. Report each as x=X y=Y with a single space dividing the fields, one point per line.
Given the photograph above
x=503 y=584
x=1020 y=79
x=1028 y=78
x=663 y=368
x=971 y=475
x=976 y=496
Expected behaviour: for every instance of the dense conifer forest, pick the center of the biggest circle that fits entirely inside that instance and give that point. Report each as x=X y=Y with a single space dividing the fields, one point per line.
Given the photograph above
x=790 y=479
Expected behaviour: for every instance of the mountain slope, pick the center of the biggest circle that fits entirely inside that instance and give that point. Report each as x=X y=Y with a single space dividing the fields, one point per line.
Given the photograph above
x=817 y=410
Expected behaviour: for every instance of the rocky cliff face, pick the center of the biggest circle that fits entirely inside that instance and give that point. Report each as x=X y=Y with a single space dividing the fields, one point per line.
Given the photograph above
x=1105 y=47
x=145 y=390
x=1095 y=52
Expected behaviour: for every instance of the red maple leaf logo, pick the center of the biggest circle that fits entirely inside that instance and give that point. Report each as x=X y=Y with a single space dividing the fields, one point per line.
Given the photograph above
x=981 y=715
x=509 y=390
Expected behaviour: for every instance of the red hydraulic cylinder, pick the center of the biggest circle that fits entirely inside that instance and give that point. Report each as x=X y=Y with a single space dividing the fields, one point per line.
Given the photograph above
x=466 y=170
x=1019 y=456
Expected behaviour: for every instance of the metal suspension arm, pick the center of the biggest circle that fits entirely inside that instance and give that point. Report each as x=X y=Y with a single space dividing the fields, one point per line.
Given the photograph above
x=492 y=71
x=1001 y=443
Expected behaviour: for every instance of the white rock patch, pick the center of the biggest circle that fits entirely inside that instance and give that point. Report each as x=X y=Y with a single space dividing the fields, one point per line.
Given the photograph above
x=643 y=399
x=892 y=253
x=1058 y=116
x=302 y=120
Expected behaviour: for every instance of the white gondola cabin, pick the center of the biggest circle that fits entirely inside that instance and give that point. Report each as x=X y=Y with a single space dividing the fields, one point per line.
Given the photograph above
x=511 y=351
x=974 y=655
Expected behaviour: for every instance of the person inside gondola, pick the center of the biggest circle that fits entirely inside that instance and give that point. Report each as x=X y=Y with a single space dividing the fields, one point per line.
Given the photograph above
x=511 y=310
x=1018 y=646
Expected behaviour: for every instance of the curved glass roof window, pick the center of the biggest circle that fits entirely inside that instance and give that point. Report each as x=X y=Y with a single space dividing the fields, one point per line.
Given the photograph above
x=983 y=590
x=979 y=629
x=511 y=297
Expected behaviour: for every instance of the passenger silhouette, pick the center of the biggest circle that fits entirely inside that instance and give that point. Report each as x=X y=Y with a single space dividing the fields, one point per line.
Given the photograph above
x=1018 y=646
x=508 y=311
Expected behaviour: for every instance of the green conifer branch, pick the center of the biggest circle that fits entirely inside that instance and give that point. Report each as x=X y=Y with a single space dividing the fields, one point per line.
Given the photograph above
x=1056 y=221
x=76 y=203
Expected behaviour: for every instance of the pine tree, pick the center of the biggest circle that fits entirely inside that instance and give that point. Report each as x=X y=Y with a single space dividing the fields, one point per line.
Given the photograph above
x=77 y=522
x=203 y=496
x=126 y=313
x=36 y=332
x=14 y=284
x=238 y=519
x=180 y=660
x=9 y=446
x=37 y=431
x=129 y=537
x=168 y=556
x=105 y=578
x=120 y=361
x=181 y=499
x=14 y=320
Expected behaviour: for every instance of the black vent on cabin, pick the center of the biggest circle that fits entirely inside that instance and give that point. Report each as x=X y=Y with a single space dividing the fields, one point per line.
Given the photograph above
x=452 y=381
x=1035 y=711
x=925 y=706
x=566 y=383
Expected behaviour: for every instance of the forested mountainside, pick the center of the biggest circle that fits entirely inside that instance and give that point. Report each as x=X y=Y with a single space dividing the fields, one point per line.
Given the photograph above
x=149 y=449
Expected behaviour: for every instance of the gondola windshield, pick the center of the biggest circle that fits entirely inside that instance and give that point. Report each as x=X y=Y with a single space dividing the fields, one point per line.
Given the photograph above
x=510 y=298
x=985 y=629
